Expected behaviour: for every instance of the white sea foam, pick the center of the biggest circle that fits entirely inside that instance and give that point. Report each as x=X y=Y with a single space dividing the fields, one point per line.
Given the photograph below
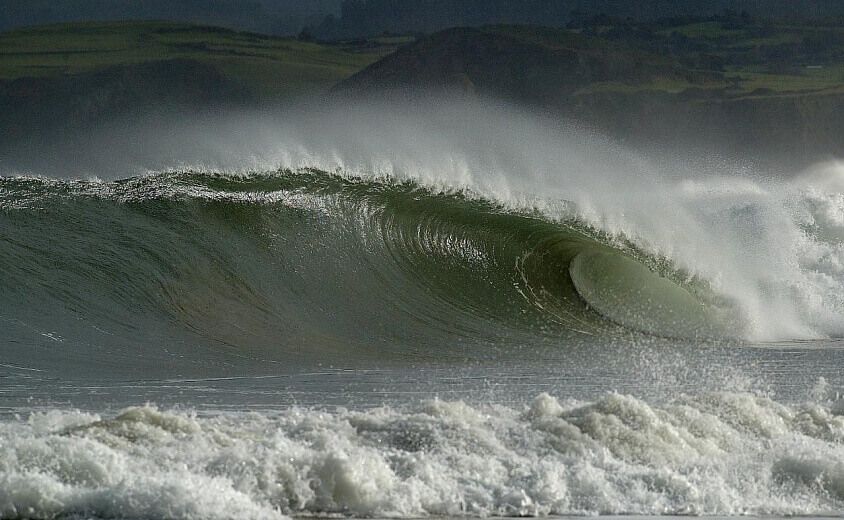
x=723 y=453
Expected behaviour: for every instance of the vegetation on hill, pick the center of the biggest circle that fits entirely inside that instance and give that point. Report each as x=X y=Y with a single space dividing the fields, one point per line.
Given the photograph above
x=368 y=17
x=749 y=54
x=280 y=17
x=730 y=54
x=61 y=77
x=732 y=81
x=523 y=63
x=771 y=91
x=266 y=66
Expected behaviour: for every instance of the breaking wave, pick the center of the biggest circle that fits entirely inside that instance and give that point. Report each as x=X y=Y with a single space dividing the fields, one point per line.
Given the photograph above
x=721 y=453
x=458 y=237
x=297 y=261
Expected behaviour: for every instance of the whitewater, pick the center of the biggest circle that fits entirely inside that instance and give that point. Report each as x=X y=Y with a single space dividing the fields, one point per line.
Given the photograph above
x=448 y=308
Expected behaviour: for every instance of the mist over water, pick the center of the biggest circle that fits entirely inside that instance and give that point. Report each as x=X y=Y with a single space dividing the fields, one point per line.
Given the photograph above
x=769 y=244
x=362 y=309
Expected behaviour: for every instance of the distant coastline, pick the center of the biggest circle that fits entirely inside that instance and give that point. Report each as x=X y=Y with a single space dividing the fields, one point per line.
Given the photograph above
x=736 y=87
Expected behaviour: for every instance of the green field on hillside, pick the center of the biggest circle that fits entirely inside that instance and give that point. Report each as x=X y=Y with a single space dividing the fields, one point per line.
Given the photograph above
x=739 y=55
x=749 y=58
x=267 y=66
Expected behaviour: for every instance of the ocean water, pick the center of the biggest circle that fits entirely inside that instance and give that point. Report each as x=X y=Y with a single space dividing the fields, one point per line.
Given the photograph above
x=374 y=312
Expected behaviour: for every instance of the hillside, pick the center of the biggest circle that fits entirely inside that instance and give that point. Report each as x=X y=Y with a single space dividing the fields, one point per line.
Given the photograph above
x=264 y=65
x=773 y=93
x=527 y=64
x=60 y=77
x=368 y=17
x=726 y=85
x=278 y=17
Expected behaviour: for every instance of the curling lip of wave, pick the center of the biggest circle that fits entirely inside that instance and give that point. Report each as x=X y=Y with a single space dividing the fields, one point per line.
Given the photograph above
x=772 y=247
x=233 y=257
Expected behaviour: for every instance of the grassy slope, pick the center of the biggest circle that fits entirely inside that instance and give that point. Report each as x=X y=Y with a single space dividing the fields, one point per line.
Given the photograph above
x=747 y=68
x=273 y=68
x=748 y=53
x=270 y=68
x=765 y=85
x=722 y=92
x=535 y=65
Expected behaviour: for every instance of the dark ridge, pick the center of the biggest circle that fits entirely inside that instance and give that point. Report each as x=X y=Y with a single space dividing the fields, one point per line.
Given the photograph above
x=531 y=64
x=680 y=98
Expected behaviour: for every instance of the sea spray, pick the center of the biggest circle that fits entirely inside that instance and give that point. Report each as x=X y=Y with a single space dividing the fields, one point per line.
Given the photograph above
x=758 y=239
x=769 y=252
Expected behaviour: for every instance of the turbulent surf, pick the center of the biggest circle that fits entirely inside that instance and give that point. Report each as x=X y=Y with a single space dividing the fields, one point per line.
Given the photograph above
x=500 y=318
x=720 y=454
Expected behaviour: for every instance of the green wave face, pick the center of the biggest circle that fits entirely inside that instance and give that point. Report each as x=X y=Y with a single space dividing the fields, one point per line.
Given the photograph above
x=628 y=293
x=309 y=265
